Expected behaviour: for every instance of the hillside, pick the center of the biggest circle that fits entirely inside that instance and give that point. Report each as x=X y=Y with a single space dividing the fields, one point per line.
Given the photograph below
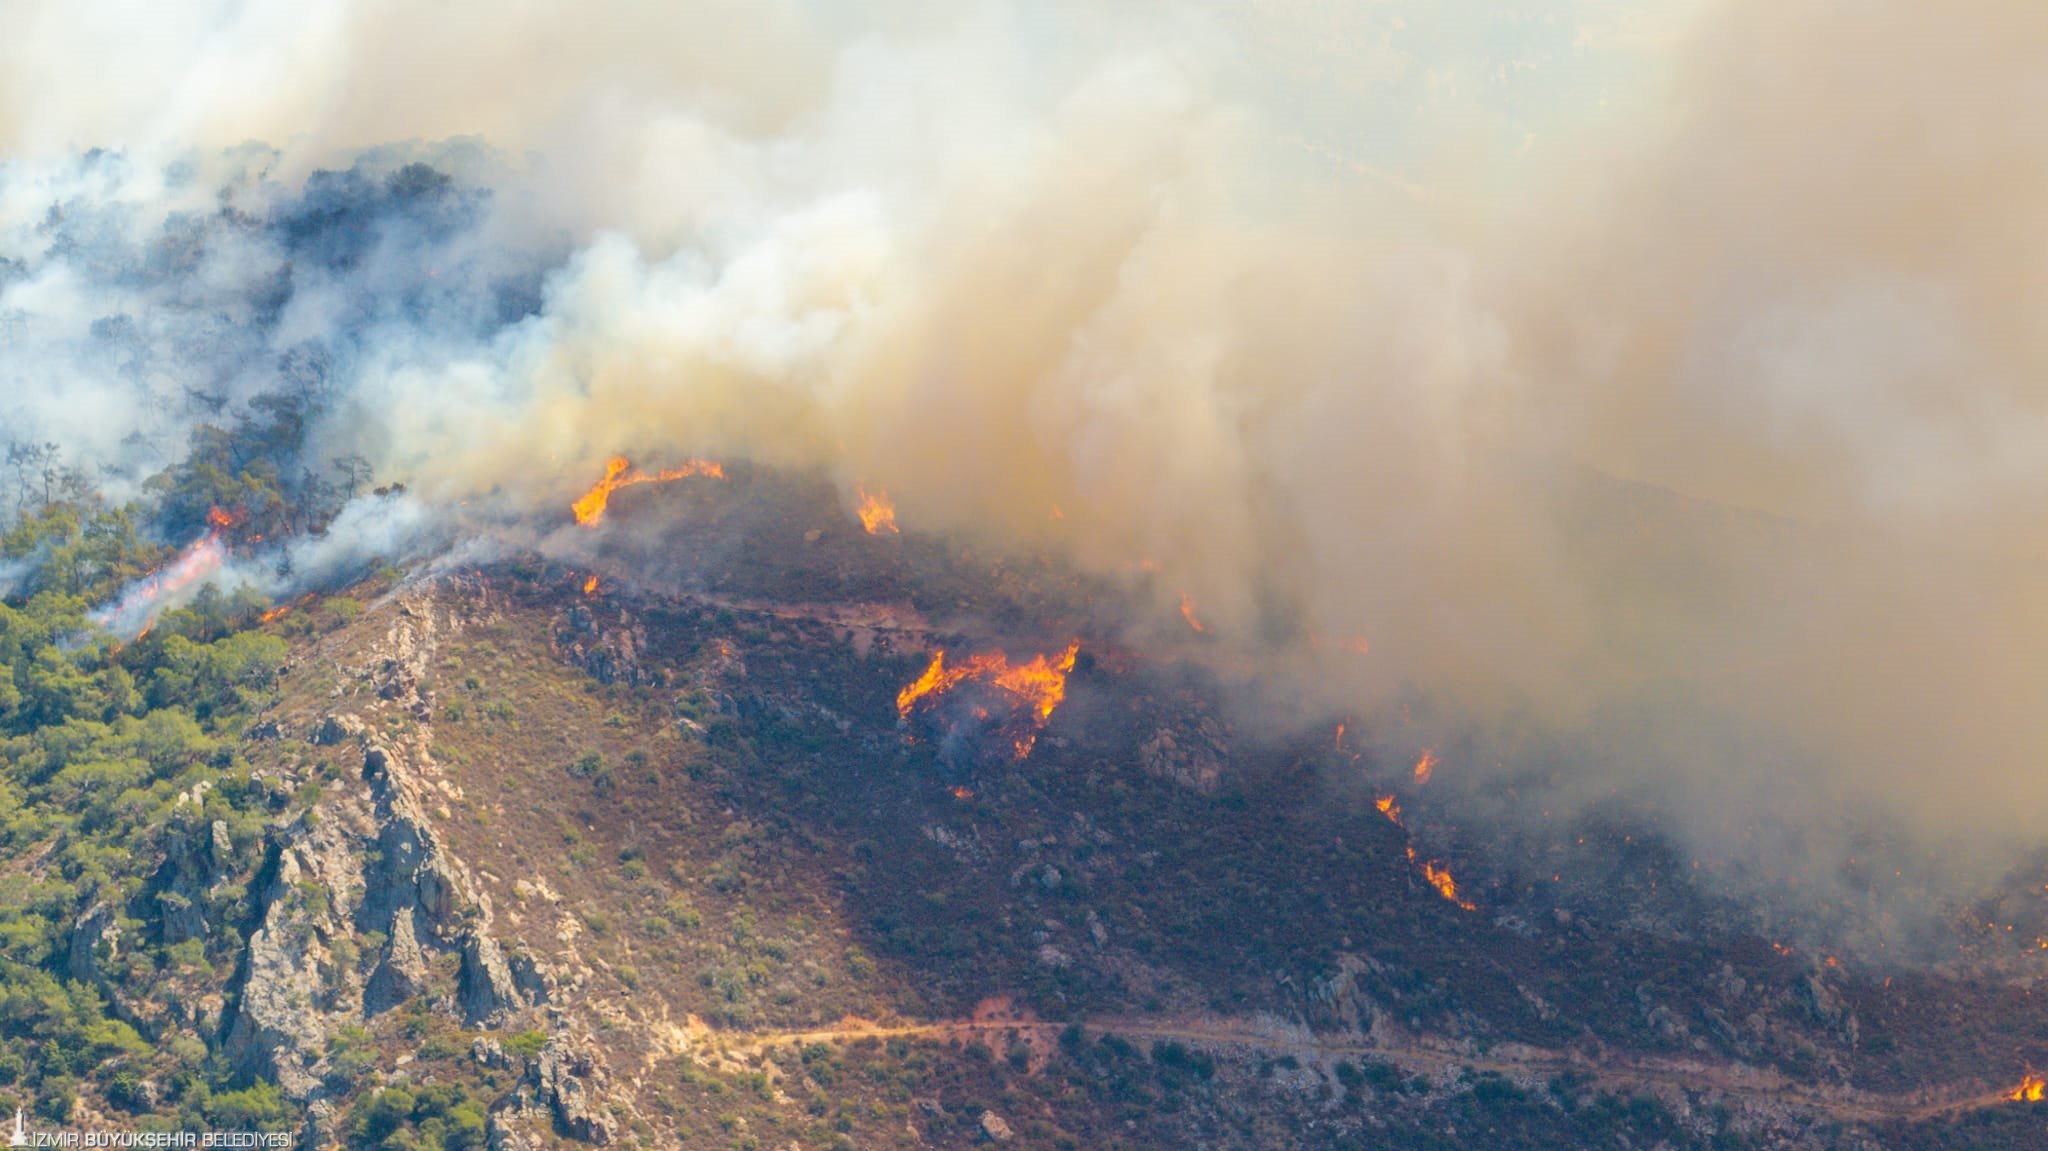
x=645 y=854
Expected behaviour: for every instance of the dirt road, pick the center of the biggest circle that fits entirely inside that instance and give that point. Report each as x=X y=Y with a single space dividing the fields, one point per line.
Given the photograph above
x=998 y=1024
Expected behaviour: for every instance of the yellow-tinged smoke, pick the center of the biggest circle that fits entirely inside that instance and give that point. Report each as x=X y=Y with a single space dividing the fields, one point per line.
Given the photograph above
x=1716 y=425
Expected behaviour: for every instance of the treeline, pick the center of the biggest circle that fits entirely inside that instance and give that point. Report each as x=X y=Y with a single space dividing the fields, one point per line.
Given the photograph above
x=129 y=826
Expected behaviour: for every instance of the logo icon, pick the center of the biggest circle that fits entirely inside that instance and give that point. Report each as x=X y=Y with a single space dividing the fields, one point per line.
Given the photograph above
x=20 y=1136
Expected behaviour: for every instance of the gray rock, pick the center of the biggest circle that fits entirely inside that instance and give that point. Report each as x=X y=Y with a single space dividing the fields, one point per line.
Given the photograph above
x=512 y=1125
x=994 y=1129
x=220 y=854
x=1194 y=758
x=181 y=883
x=571 y=1079
x=533 y=982
x=401 y=973
x=336 y=729
x=485 y=987
x=279 y=1029
x=1727 y=985
x=96 y=935
x=488 y=1052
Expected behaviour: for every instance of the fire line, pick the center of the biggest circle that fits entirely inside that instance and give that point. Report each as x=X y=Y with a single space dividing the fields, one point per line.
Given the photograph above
x=619 y=473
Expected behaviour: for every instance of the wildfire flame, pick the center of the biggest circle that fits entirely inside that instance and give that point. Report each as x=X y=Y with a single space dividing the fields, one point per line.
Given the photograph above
x=1425 y=766
x=963 y=792
x=877 y=514
x=1436 y=874
x=275 y=613
x=1036 y=687
x=619 y=473
x=1440 y=878
x=590 y=586
x=2030 y=1090
x=1187 y=612
x=144 y=598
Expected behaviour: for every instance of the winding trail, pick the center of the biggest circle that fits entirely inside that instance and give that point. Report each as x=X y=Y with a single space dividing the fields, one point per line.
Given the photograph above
x=1412 y=1053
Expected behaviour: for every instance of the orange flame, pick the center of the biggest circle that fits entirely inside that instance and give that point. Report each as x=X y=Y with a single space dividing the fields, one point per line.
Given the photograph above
x=144 y=597
x=1187 y=612
x=590 y=586
x=220 y=519
x=275 y=613
x=1440 y=878
x=1359 y=645
x=933 y=679
x=118 y=648
x=1425 y=766
x=963 y=792
x=2030 y=1090
x=618 y=474
x=1340 y=735
x=877 y=514
x=1437 y=875
x=1037 y=686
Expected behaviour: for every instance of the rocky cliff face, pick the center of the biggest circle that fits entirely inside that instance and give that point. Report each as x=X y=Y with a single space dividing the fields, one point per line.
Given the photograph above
x=363 y=908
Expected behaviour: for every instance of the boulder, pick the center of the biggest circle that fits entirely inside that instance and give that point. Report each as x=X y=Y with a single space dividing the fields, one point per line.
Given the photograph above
x=571 y=1079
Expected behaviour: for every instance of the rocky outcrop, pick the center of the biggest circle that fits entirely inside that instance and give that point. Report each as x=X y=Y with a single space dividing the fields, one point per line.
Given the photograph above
x=1336 y=999
x=490 y=1053
x=1192 y=757
x=516 y=1124
x=366 y=862
x=565 y=1090
x=279 y=1026
x=195 y=859
x=95 y=942
x=1826 y=1008
x=485 y=987
x=95 y=937
x=610 y=653
x=336 y=729
x=571 y=1079
x=401 y=971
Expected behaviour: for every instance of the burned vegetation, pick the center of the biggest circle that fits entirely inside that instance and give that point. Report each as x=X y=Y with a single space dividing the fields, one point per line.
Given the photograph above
x=755 y=823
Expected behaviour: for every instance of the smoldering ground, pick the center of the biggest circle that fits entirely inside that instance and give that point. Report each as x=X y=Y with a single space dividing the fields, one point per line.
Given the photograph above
x=1700 y=430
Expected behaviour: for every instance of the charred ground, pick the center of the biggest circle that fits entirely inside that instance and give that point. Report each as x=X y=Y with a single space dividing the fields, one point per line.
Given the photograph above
x=661 y=861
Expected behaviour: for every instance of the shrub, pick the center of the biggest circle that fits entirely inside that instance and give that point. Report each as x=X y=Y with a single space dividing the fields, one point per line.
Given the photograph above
x=527 y=1044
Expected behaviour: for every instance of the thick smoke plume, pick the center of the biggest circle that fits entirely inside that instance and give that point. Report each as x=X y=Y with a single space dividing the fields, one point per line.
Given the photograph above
x=1703 y=434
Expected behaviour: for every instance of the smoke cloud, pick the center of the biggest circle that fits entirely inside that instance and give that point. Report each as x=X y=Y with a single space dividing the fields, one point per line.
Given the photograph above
x=1664 y=388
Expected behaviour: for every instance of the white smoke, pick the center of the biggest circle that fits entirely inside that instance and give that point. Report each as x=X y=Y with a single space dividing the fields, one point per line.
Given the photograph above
x=1695 y=419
